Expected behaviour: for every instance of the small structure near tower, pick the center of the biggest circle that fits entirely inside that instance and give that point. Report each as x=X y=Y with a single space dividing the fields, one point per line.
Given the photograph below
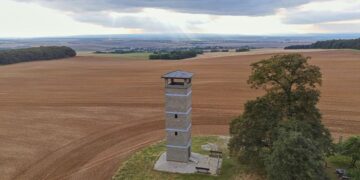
x=178 y=157
x=178 y=115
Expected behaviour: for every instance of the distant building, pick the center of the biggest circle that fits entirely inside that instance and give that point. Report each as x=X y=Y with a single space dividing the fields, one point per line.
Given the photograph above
x=178 y=115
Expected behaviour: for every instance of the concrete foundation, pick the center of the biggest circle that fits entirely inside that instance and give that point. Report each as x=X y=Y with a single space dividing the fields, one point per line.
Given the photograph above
x=196 y=160
x=178 y=154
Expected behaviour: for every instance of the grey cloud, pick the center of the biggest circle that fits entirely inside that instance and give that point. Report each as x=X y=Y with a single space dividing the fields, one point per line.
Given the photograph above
x=340 y=27
x=214 y=7
x=309 y=17
x=129 y=21
x=97 y=11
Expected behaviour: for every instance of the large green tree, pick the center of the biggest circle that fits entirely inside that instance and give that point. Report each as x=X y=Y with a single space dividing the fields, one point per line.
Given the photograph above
x=288 y=105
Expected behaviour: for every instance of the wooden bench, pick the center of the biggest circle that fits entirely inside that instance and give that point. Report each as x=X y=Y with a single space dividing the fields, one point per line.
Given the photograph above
x=216 y=154
x=342 y=174
x=202 y=170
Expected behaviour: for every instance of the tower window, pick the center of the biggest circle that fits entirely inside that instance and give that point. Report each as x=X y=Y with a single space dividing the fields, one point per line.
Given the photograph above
x=176 y=116
x=176 y=133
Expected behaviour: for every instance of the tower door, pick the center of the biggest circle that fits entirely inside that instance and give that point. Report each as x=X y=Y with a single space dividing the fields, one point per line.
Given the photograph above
x=189 y=151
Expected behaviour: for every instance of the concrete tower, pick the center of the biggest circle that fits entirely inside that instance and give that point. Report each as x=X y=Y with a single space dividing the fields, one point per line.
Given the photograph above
x=178 y=115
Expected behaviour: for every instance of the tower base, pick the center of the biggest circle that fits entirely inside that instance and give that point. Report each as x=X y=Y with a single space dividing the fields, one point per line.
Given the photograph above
x=196 y=160
x=178 y=154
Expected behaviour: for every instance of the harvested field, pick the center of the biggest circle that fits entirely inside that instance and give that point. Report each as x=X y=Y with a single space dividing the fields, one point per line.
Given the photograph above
x=80 y=118
x=255 y=52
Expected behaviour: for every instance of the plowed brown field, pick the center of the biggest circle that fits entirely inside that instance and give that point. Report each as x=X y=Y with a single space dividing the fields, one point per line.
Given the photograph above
x=80 y=118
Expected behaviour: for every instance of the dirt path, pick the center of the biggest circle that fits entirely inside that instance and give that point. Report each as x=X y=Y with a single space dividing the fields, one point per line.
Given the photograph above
x=80 y=118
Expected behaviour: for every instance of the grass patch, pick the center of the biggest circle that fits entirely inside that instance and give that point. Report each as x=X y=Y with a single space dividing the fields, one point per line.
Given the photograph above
x=141 y=164
x=342 y=162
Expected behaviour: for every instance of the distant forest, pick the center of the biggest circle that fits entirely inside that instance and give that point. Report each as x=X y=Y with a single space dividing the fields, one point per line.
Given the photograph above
x=35 y=54
x=118 y=51
x=174 y=55
x=330 y=44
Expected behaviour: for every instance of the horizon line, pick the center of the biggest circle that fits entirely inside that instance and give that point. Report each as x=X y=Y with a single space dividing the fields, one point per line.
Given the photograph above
x=179 y=35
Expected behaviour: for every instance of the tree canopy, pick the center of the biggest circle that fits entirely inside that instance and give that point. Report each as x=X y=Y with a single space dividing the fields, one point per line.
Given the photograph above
x=289 y=106
x=288 y=76
x=295 y=157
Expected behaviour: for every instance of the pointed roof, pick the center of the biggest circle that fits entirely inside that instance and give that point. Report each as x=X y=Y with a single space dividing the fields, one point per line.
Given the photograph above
x=178 y=75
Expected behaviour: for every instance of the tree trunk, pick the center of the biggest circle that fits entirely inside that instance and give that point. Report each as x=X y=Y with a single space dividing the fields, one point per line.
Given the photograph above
x=353 y=163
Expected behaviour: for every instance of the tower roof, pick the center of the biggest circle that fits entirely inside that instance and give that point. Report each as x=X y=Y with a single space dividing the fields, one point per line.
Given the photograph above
x=178 y=75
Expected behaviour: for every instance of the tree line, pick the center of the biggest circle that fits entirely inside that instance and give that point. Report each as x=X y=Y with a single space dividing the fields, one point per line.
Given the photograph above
x=35 y=54
x=330 y=44
x=175 y=55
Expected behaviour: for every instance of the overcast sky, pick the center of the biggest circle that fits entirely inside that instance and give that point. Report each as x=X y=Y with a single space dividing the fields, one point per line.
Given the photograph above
x=36 y=18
